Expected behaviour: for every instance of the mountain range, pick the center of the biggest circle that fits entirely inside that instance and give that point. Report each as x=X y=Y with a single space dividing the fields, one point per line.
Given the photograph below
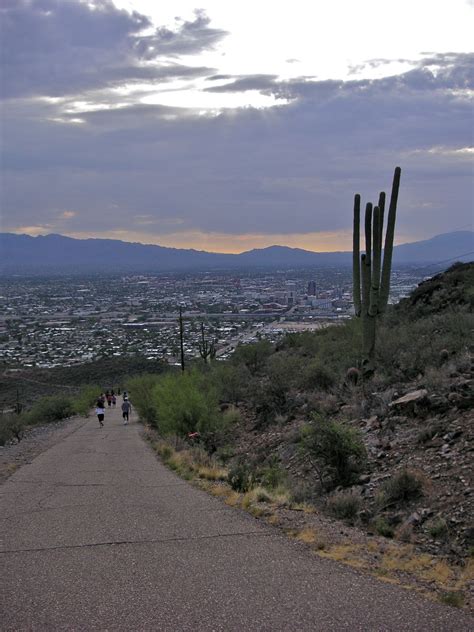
x=56 y=254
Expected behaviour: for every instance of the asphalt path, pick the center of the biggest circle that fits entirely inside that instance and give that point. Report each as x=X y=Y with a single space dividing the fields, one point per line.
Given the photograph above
x=97 y=535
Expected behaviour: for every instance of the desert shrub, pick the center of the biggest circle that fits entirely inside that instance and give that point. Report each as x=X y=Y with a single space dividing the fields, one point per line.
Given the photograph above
x=406 y=349
x=241 y=477
x=428 y=433
x=283 y=370
x=253 y=356
x=85 y=399
x=232 y=416
x=268 y=401
x=438 y=529
x=336 y=347
x=383 y=528
x=186 y=402
x=12 y=426
x=453 y=598
x=302 y=493
x=49 y=409
x=225 y=453
x=271 y=475
x=141 y=394
x=401 y=488
x=344 y=506
x=232 y=381
x=335 y=449
x=316 y=375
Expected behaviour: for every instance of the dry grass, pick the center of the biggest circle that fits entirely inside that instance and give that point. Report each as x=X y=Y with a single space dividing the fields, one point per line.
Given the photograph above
x=304 y=507
x=212 y=473
x=274 y=519
x=306 y=535
x=233 y=498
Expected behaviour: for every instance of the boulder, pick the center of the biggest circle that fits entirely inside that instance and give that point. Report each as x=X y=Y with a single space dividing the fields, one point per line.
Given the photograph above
x=415 y=397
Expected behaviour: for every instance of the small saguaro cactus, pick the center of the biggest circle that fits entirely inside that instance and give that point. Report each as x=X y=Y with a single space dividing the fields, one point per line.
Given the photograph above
x=371 y=277
x=207 y=349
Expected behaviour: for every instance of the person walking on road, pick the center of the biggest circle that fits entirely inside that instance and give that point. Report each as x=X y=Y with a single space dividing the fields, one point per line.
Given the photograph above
x=126 y=410
x=100 y=411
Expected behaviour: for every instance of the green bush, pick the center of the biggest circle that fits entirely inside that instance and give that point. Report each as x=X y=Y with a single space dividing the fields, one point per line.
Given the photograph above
x=337 y=450
x=85 y=400
x=231 y=380
x=141 y=395
x=186 y=402
x=453 y=598
x=317 y=376
x=253 y=356
x=336 y=347
x=302 y=492
x=345 y=506
x=232 y=416
x=241 y=477
x=438 y=529
x=12 y=426
x=272 y=475
x=406 y=349
x=49 y=409
x=383 y=528
x=401 y=488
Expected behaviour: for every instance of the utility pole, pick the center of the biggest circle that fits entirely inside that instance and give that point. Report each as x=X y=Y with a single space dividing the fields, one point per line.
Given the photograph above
x=181 y=336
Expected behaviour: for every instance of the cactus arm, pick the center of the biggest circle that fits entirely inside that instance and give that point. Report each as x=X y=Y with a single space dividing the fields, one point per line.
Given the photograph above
x=368 y=234
x=356 y=257
x=376 y=263
x=381 y=206
x=388 y=251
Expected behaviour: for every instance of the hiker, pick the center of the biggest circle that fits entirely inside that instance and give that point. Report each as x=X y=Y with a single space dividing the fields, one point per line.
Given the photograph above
x=126 y=410
x=114 y=400
x=100 y=411
x=109 y=399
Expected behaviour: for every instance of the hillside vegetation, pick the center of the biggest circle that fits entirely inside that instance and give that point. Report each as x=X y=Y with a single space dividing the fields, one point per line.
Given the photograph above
x=390 y=454
x=50 y=395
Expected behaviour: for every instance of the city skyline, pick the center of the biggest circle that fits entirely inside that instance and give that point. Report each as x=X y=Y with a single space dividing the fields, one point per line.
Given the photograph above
x=231 y=127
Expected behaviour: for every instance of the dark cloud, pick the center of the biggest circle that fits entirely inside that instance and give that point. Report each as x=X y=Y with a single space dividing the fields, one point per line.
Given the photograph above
x=290 y=168
x=55 y=48
x=191 y=37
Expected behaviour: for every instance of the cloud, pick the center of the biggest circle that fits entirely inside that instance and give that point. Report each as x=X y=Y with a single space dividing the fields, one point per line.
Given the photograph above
x=171 y=174
x=67 y=214
x=56 y=48
x=190 y=38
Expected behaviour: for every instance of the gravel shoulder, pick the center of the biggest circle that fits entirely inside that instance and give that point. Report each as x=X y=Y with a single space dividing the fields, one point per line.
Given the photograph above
x=36 y=440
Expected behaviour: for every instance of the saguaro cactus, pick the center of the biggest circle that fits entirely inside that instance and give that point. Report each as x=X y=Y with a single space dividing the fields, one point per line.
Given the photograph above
x=371 y=278
x=207 y=350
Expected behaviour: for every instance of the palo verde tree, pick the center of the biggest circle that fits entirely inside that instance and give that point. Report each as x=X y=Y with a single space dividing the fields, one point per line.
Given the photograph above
x=371 y=277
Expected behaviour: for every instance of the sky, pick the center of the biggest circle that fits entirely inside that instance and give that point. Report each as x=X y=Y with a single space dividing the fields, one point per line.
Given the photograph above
x=227 y=126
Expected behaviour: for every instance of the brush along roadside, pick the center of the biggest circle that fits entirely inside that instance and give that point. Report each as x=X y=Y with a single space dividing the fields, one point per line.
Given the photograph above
x=388 y=560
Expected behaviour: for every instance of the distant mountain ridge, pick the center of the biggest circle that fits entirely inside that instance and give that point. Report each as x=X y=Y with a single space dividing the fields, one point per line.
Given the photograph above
x=56 y=254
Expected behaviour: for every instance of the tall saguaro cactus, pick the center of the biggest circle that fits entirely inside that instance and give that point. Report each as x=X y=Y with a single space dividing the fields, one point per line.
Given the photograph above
x=371 y=277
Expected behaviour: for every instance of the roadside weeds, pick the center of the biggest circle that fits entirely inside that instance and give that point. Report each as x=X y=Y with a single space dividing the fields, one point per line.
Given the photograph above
x=388 y=560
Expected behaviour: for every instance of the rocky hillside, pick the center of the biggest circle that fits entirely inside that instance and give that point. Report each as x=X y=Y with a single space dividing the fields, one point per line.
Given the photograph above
x=415 y=419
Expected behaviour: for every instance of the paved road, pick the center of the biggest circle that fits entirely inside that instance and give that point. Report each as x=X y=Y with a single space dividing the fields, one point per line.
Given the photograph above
x=98 y=535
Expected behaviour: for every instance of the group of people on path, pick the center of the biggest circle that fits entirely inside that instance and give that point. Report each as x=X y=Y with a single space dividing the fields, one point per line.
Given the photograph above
x=111 y=399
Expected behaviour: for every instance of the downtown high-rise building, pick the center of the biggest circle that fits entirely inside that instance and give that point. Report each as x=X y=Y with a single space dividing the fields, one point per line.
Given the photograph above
x=312 y=288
